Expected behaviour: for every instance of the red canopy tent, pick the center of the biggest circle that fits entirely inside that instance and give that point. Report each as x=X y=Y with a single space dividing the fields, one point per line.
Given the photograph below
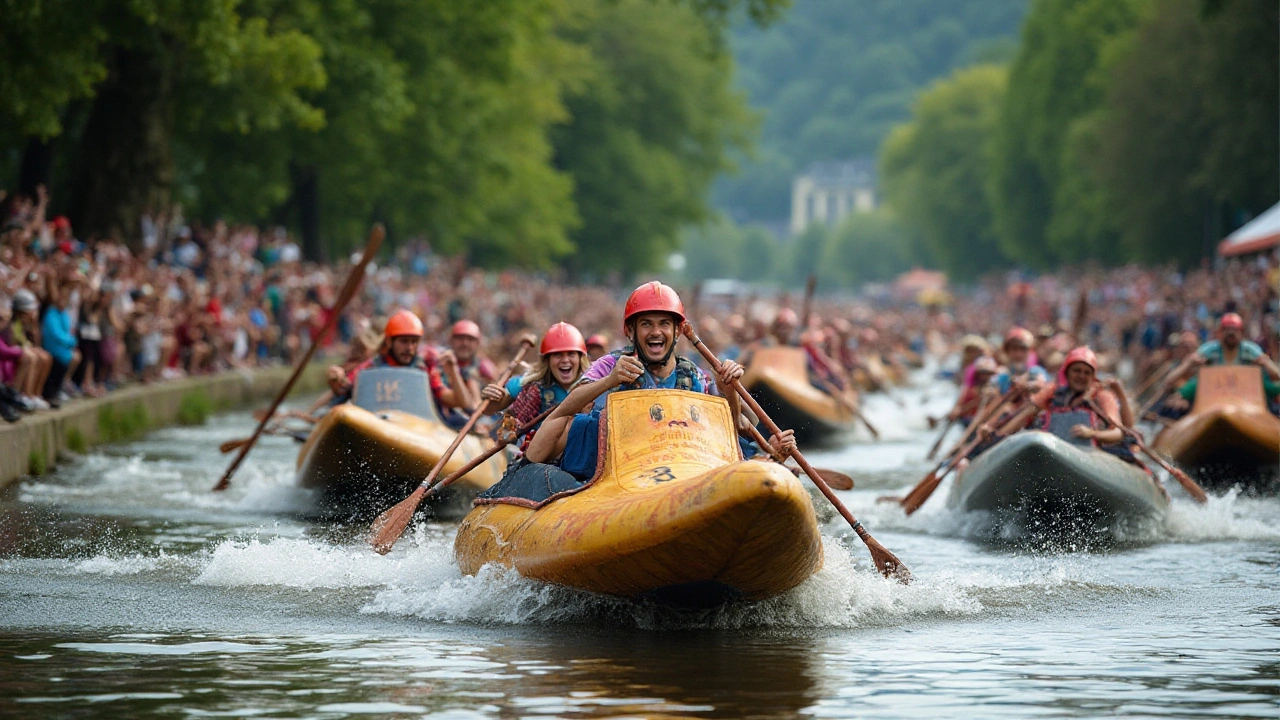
x=1260 y=233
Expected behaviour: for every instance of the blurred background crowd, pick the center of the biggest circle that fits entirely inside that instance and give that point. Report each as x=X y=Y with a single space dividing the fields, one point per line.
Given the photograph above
x=80 y=317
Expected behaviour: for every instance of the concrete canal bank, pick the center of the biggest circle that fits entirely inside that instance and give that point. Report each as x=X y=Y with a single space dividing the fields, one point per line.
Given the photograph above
x=32 y=445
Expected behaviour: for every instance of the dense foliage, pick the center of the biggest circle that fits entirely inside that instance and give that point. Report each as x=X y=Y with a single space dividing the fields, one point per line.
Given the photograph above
x=509 y=129
x=1128 y=130
x=834 y=76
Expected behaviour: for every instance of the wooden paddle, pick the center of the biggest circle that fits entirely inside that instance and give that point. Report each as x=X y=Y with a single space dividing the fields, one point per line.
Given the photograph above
x=834 y=392
x=231 y=445
x=348 y=291
x=1150 y=382
x=923 y=489
x=933 y=451
x=1191 y=486
x=806 y=309
x=390 y=525
x=1161 y=393
x=382 y=539
x=835 y=479
x=886 y=562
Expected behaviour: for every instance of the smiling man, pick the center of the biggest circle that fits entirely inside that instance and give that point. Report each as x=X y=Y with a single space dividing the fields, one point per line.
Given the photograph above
x=651 y=325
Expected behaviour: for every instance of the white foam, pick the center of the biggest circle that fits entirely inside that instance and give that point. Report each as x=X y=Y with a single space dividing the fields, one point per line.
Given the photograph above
x=842 y=594
x=103 y=564
x=1225 y=517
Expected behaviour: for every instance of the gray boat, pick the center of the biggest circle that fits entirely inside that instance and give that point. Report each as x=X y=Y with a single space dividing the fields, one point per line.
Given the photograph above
x=1044 y=483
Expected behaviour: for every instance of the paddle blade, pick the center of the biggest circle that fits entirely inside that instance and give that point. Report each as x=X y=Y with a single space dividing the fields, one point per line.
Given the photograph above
x=921 y=493
x=1191 y=486
x=837 y=480
x=886 y=562
x=232 y=445
x=391 y=524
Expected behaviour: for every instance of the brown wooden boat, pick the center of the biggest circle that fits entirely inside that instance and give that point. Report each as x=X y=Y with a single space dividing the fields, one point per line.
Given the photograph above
x=779 y=379
x=1228 y=428
x=368 y=454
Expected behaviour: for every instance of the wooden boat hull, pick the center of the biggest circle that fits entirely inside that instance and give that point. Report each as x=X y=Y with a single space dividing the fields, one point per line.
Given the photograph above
x=673 y=514
x=1228 y=430
x=1242 y=437
x=360 y=462
x=778 y=378
x=1041 y=477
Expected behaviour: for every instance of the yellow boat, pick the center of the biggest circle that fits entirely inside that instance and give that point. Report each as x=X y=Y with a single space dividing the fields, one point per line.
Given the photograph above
x=368 y=454
x=778 y=377
x=1228 y=427
x=673 y=513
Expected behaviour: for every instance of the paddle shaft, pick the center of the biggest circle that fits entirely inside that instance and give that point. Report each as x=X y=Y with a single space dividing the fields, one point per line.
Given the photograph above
x=810 y=285
x=933 y=451
x=525 y=344
x=1191 y=486
x=887 y=566
x=348 y=291
x=1161 y=393
x=478 y=460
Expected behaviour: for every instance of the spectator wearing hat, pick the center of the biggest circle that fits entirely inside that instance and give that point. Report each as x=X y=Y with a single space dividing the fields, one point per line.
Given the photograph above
x=24 y=331
x=56 y=338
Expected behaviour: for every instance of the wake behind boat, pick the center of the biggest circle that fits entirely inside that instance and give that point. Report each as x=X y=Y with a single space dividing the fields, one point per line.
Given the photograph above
x=371 y=452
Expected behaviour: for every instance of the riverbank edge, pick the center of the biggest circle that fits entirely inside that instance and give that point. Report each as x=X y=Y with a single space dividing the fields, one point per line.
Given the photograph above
x=32 y=446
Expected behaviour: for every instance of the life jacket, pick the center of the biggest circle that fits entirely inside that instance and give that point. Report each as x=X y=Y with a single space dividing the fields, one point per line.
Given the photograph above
x=686 y=372
x=1066 y=409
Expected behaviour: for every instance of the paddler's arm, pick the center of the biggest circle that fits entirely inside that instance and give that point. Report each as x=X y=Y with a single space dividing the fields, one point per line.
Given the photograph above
x=1122 y=400
x=1268 y=366
x=548 y=443
x=497 y=396
x=456 y=394
x=729 y=373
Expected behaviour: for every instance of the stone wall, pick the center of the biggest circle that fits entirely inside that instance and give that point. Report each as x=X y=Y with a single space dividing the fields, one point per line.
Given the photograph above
x=32 y=445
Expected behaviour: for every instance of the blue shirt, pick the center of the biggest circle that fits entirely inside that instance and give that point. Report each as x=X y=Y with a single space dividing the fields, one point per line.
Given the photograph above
x=55 y=331
x=516 y=384
x=1212 y=351
x=1004 y=380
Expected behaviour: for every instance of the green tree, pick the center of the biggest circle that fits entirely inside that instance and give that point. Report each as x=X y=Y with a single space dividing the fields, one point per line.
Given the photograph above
x=1053 y=82
x=935 y=170
x=1188 y=135
x=866 y=247
x=833 y=77
x=169 y=66
x=649 y=131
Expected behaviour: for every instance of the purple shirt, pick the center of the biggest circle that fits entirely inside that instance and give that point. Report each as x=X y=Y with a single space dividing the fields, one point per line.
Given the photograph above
x=601 y=368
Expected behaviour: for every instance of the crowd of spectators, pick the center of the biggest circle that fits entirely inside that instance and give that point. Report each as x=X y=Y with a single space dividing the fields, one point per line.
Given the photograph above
x=80 y=317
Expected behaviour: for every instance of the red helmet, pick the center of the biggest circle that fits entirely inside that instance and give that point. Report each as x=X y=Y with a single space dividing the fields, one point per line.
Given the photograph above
x=404 y=322
x=562 y=337
x=1081 y=354
x=1019 y=333
x=598 y=340
x=465 y=328
x=653 y=297
x=1231 y=321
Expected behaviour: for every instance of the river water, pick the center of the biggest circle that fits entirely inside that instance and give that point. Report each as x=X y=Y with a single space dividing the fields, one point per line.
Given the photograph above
x=127 y=589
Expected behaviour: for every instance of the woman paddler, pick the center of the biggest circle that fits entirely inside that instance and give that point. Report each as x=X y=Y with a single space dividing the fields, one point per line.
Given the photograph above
x=651 y=323
x=562 y=362
x=1064 y=411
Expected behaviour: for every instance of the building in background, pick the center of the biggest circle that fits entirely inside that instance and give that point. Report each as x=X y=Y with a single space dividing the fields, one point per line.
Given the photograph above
x=828 y=192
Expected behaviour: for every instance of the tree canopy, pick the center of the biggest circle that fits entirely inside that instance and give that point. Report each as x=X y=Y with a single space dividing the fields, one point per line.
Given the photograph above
x=519 y=131
x=833 y=77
